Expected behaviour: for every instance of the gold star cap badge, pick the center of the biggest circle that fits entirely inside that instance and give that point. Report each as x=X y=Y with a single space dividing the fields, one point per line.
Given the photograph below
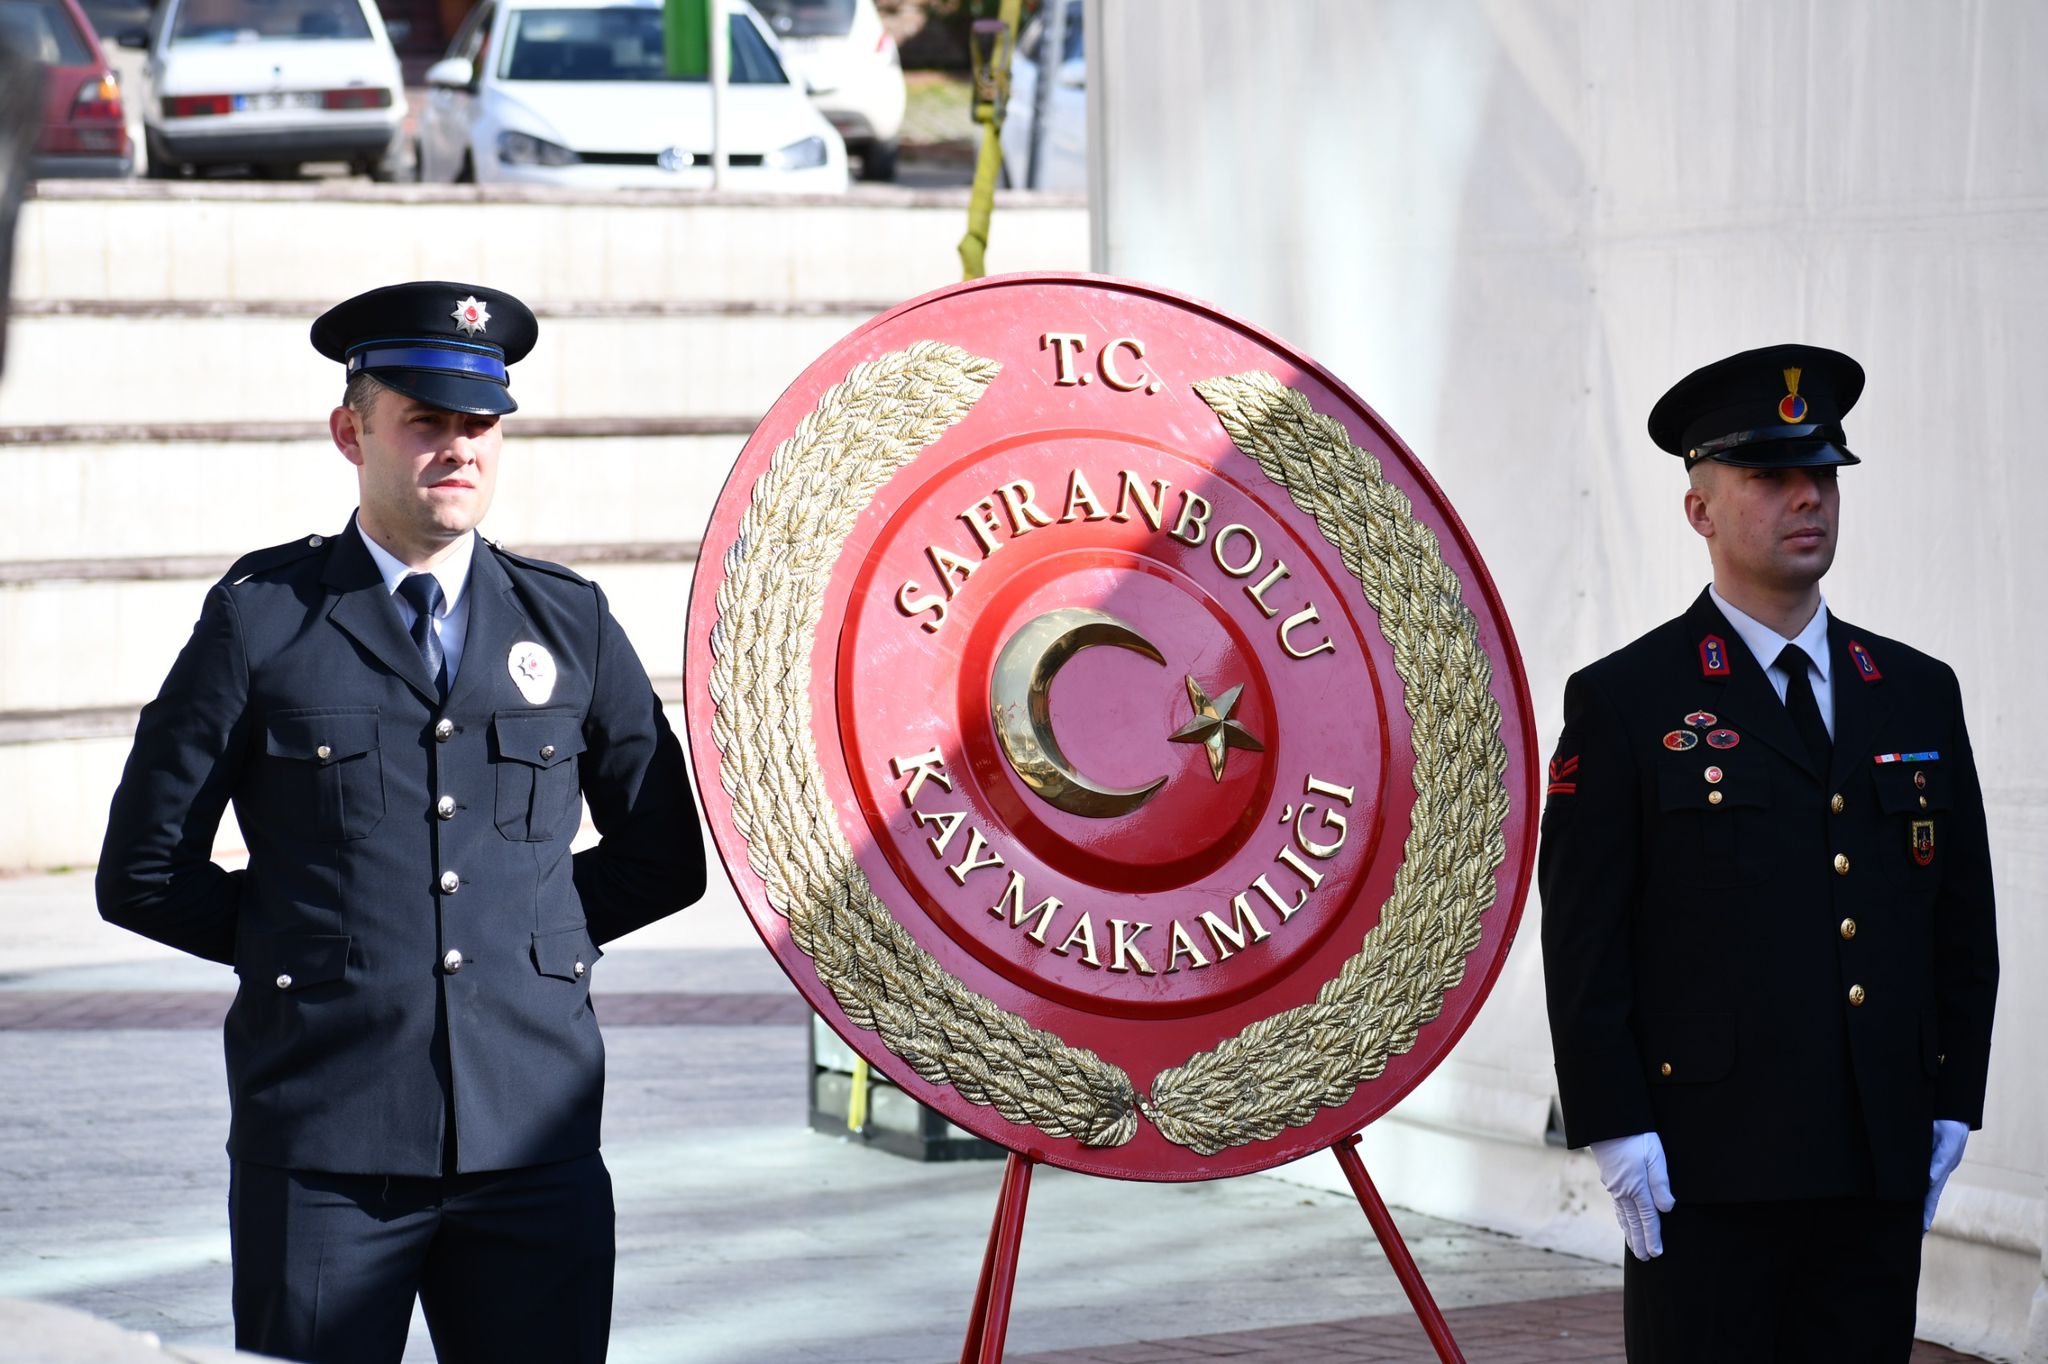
x=471 y=316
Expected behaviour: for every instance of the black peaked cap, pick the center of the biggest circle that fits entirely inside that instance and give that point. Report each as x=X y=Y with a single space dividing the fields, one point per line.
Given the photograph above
x=443 y=343
x=1780 y=407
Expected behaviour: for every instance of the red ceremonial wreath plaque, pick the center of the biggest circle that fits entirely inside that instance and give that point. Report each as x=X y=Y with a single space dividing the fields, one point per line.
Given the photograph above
x=1110 y=727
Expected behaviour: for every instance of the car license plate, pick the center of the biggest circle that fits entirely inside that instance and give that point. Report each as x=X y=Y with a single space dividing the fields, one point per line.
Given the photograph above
x=279 y=99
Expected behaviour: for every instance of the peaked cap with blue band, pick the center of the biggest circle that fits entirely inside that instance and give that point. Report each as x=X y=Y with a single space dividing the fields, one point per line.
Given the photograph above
x=1780 y=407
x=442 y=343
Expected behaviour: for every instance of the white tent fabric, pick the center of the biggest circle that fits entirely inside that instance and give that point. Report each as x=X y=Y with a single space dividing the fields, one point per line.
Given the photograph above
x=1509 y=227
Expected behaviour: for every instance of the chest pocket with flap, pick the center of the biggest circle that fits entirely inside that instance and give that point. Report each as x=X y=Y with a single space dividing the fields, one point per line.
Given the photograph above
x=1916 y=794
x=325 y=771
x=535 y=753
x=1725 y=817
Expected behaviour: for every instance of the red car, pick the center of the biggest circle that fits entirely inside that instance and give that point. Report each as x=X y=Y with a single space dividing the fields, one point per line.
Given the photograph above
x=84 y=131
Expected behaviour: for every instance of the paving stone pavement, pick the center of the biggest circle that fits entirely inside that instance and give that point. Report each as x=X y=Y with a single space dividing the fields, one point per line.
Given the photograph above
x=744 y=1238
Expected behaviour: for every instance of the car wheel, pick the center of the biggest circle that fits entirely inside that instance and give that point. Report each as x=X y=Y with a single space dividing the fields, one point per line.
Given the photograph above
x=157 y=162
x=878 y=161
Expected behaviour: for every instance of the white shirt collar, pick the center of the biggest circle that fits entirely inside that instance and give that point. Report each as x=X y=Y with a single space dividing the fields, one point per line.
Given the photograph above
x=453 y=571
x=1767 y=644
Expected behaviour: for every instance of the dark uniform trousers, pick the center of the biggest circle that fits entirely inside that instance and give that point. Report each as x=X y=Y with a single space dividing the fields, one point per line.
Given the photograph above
x=1785 y=973
x=414 y=1069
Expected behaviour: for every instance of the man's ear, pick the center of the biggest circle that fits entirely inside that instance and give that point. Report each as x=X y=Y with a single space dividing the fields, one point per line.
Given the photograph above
x=347 y=430
x=1698 y=514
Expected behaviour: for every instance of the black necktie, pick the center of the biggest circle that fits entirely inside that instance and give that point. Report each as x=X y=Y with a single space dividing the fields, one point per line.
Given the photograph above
x=1805 y=710
x=423 y=591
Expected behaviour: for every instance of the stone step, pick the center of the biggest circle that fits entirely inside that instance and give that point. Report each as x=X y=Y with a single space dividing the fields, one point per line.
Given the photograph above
x=166 y=366
x=81 y=495
x=154 y=242
x=101 y=646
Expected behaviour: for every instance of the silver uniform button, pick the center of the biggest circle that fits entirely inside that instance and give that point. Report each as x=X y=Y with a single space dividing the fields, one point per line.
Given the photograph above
x=547 y=750
x=579 y=970
x=443 y=731
x=315 y=541
x=323 y=752
x=284 y=982
x=449 y=881
x=451 y=961
x=445 y=807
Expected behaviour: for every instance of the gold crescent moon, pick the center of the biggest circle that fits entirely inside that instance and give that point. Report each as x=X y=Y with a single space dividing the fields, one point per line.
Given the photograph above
x=1020 y=700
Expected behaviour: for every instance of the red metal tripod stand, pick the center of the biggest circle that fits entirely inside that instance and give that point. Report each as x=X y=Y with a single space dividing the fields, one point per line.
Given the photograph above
x=989 y=1321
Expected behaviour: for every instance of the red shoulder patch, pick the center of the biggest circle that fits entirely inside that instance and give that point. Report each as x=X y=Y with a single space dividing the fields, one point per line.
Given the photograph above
x=1866 y=666
x=1563 y=776
x=1713 y=657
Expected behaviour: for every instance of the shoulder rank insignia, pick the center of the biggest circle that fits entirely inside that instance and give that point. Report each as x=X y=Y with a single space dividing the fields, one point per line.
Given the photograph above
x=1713 y=657
x=1564 y=776
x=1866 y=666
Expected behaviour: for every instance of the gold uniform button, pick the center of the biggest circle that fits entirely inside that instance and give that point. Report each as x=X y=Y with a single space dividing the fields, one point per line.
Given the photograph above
x=1923 y=802
x=451 y=962
x=1856 y=995
x=1664 y=1069
x=1841 y=864
x=449 y=881
x=1837 y=803
x=443 y=731
x=1713 y=797
x=284 y=981
x=1848 y=929
x=445 y=807
x=547 y=750
x=323 y=752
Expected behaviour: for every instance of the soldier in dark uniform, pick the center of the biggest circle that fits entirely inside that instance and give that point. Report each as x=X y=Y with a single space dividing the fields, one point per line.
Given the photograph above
x=1768 y=936
x=408 y=719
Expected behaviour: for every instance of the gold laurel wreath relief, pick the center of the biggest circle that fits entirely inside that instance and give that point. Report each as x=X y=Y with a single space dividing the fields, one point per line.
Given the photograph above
x=804 y=506
x=1279 y=1072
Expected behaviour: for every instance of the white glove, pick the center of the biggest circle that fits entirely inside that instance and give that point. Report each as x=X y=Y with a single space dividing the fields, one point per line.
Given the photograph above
x=1633 y=1170
x=1949 y=1136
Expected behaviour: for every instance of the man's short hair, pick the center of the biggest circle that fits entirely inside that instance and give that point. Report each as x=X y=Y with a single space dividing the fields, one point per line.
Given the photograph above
x=361 y=395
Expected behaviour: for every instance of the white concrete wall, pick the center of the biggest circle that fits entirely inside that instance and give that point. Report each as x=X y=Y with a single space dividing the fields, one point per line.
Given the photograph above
x=1510 y=226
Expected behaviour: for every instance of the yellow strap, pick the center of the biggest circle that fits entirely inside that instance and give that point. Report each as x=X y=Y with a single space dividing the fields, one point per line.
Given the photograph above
x=989 y=161
x=857 y=1101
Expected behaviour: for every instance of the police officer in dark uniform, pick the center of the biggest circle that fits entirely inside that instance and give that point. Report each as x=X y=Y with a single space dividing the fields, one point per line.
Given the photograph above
x=408 y=719
x=1768 y=938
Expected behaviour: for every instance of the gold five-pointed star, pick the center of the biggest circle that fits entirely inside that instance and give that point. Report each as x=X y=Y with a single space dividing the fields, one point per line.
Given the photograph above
x=1213 y=728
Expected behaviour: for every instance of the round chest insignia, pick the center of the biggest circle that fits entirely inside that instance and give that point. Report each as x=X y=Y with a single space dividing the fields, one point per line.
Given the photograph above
x=1679 y=740
x=1723 y=738
x=1110 y=728
x=1700 y=719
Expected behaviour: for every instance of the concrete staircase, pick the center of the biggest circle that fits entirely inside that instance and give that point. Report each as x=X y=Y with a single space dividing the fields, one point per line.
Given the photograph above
x=162 y=411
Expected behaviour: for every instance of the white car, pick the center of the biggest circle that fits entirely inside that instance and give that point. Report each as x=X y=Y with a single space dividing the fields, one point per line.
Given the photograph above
x=576 y=93
x=270 y=84
x=1063 y=155
x=840 y=49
